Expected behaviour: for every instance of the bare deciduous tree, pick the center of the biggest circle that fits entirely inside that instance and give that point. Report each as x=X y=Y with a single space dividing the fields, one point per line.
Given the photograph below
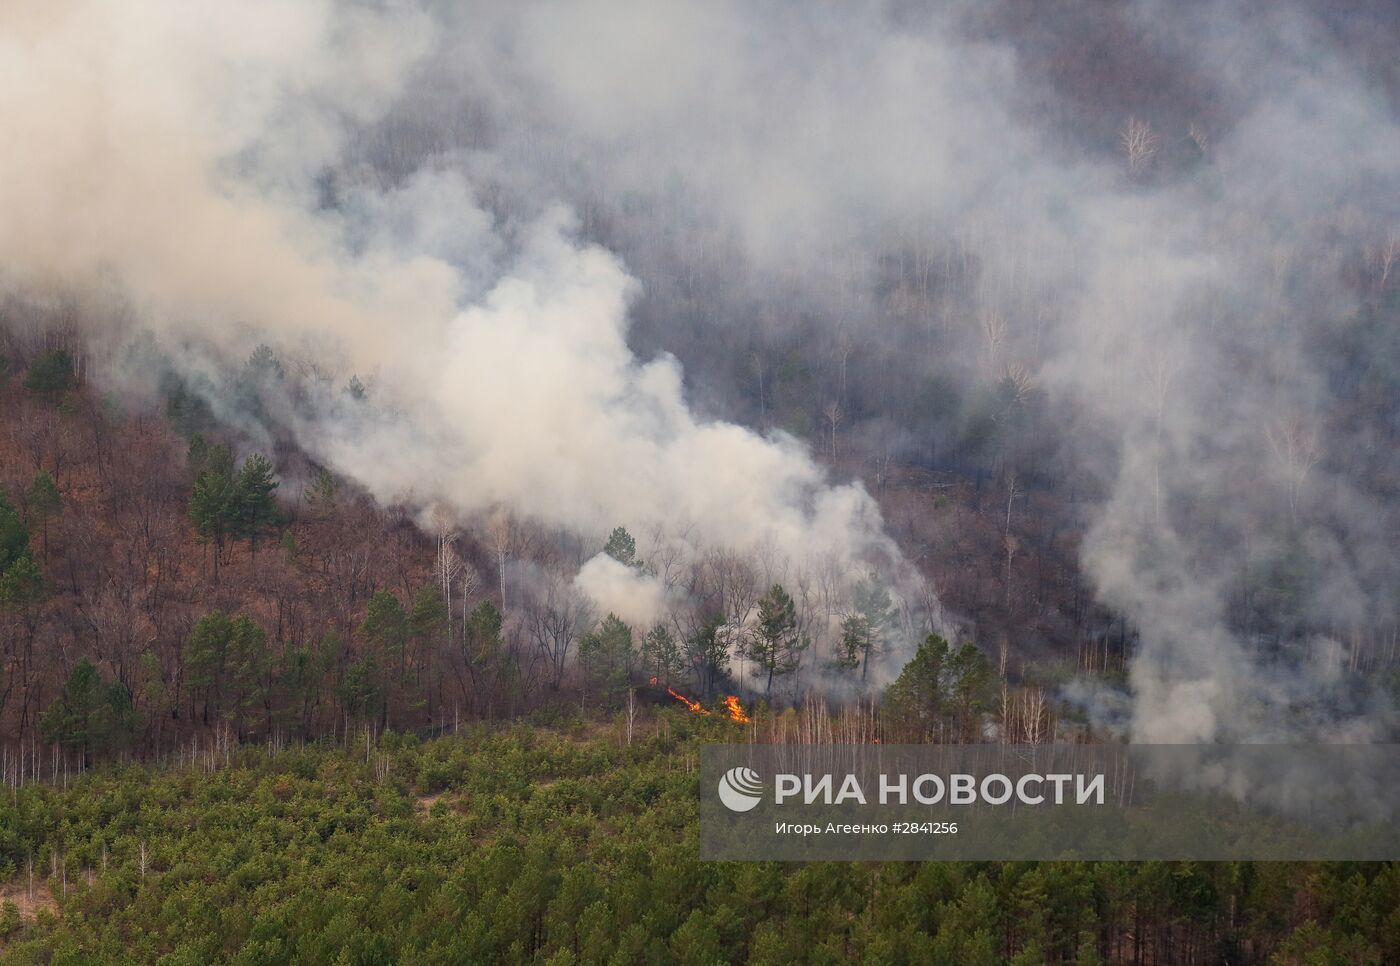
x=993 y=337
x=1387 y=255
x=501 y=534
x=1294 y=443
x=1196 y=134
x=732 y=579
x=833 y=415
x=1022 y=379
x=555 y=617
x=1009 y=542
x=845 y=344
x=665 y=554
x=1139 y=145
x=447 y=564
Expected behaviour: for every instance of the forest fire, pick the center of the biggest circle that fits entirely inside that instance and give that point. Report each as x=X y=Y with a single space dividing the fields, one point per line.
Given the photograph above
x=732 y=706
x=694 y=706
x=736 y=710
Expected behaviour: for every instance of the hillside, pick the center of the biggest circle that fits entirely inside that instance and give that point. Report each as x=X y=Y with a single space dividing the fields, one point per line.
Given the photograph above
x=564 y=844
x=347 y=620
x=428 y=427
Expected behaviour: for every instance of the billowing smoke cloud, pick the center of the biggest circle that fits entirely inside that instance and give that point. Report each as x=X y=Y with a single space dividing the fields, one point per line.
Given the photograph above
x=1178 y=305
x=163 y=152
x=487 y=208
x=175 y=161
x=624 y=591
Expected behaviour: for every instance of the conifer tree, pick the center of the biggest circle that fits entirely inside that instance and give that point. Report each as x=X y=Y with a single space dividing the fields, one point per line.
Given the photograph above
x=661 y=653
x=205 y=654
x=863 y=630
x=257 y=508
x=386 y=630
x=215 y=502
x=43 y=504
x=21 y=583
x=774 y=645
x=50 y=376
x=89 y=715
x=622 y=547
x=606 y=656
x=483 y=649
x=707 y=653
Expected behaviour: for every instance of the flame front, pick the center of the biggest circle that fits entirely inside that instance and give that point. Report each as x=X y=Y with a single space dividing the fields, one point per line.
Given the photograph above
x=736 y=710
x=694 y=706
x=731 y=706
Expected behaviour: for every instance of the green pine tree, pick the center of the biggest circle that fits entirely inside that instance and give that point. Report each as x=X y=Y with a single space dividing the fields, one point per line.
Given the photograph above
x=429 y=615
x=970 y=681
x=246 y=667
x=188 y=411
x=483 y=651
x=43 y=504
x=623 y=548
x=256 y=509
x=774 y=645
x=50 y=376
x=197 y=455
x=90 y=716
x=863 y=631
x=14 y=536
x=21 y=582
x=385 y=626
x=118 y=718
x=942 y=693
x=386 y=630
x=917 y=702
x=216 y=502
x=606 y=655
x=661 y=654
x=361 y=691
x=204 y=656
x=707 y=653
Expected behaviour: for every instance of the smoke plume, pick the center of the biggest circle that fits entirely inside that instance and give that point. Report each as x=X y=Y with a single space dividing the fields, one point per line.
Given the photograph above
x=512 y=221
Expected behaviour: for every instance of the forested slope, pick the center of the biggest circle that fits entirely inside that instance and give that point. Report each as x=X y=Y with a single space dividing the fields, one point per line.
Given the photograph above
x=409 y=410
x=565 y=844
x=260 y=653
x=172 y=576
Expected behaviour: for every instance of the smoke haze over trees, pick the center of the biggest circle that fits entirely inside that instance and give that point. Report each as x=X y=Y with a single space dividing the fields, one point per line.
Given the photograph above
x=1075 y=326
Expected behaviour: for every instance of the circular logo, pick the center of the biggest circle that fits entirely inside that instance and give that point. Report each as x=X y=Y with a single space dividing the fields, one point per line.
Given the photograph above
x=740 y=789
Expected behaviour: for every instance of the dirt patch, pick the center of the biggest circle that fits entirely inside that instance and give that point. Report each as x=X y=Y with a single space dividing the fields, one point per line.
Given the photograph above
x=426 y=802
x=17 y=892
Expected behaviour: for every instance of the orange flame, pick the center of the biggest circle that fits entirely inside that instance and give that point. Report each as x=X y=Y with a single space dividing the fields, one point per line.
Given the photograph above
x=694 y=706
x=736 y=710
x=731 y=705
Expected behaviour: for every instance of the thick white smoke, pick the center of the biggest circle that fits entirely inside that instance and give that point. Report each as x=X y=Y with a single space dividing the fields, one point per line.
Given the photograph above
x=1176 y=316
x=172 y=157
x=779 y=152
